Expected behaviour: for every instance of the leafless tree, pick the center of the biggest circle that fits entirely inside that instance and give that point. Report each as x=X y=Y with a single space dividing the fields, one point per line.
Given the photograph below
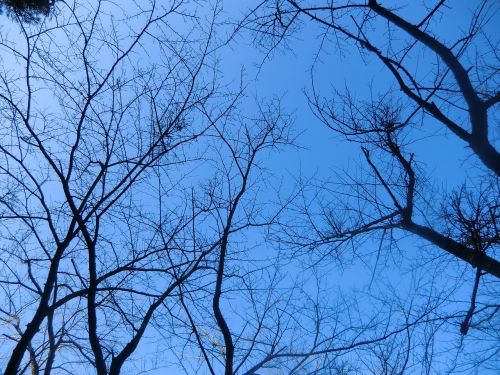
x=109 y=231
x=443 y=88
x=263 y=311
x=140 y=227
x=87 y=121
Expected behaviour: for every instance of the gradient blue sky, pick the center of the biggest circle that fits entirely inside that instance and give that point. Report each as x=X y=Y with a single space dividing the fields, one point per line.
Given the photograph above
x=287 y=73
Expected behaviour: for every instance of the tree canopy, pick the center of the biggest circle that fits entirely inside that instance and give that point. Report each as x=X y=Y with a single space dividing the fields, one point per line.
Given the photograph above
x=275 y=186
x=27 y=10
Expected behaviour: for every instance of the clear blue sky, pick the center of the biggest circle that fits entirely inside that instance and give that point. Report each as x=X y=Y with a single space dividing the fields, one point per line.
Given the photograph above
x=287 y=74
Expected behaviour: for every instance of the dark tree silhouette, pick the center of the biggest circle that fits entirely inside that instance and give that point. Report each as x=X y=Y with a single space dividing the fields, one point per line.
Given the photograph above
x=383 y=125
x=109 y=239
x=140 y=226
x=75 y=270
x=442 y=84
x=27 y=10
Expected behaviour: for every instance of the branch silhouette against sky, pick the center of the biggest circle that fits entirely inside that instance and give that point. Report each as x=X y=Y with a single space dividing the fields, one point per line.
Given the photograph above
x=249 y=187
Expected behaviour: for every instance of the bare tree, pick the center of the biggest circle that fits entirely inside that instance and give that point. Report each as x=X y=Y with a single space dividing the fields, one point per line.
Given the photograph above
x=107 y=231
x=444 y=87
x=262 y=311
x=86 y=119
x=140 y=228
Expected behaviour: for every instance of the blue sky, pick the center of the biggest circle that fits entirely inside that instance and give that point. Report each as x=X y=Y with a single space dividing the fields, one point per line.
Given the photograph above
x=286 y=74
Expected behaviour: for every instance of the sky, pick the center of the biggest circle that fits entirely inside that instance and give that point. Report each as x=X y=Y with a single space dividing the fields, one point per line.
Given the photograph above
x=286 y=73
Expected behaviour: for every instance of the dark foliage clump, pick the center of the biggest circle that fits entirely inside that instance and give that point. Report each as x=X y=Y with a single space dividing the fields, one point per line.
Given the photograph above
x=27 y=10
